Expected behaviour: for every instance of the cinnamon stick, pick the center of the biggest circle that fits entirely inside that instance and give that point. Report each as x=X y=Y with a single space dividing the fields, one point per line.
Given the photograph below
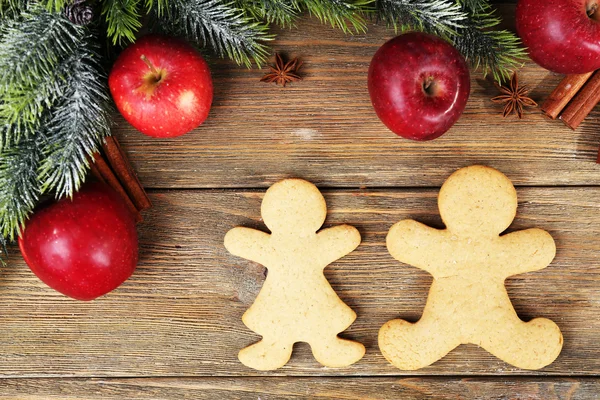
x=563 y=93
x=583 y=102
x=95 y=172
x=110 y=179
x=121 y=167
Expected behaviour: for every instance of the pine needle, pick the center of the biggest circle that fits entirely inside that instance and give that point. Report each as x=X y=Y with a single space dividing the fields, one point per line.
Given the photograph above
x=159 y=6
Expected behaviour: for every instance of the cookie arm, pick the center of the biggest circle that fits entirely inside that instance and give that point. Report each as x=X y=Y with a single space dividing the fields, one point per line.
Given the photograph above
x=248 y=243
x=415 y=244
x=336 y=242
x=526 y=251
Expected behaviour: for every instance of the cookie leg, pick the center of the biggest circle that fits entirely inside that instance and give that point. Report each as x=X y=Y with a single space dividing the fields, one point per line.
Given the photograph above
x=266 y=355
x=527 y=345
x=412 y=346
x=337 y=353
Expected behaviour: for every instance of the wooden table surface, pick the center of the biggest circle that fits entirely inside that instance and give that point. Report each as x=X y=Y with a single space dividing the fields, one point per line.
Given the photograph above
x=173 y=330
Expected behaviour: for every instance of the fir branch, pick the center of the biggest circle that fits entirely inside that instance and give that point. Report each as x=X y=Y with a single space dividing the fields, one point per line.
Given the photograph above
x=340 y=13
x=30 y=50
x=56 y=5
x=220 y=25
x=31 y=47
x=441 y=17
x=10 y=9
x=78 y=123
x=280 y=12
x=123 y=18
x=19 y=185
x=474 y=6
x=495 y=52
x=22 y=108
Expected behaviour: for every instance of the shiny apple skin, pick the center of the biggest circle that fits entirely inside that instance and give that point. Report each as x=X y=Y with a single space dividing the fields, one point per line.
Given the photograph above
x=85 y=247
x=559 y=34
x=172 y=107
x=397 y=75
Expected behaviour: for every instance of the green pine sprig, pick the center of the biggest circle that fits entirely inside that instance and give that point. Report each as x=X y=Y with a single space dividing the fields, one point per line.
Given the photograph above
x=56 y=5
x=19 y=186
x=123 y=19
x=220 y=25
x=30 y=50
x=440 y=17
x=488 y=50
x=159 y=6
x=280 y=12
x=9 y=9
x=77 y=124
x=475 y=6
x=346 y=15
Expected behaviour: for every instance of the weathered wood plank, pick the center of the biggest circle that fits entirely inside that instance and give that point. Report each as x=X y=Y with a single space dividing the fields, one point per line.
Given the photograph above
x=180 y=314
x=324 y=128
x=301 y=388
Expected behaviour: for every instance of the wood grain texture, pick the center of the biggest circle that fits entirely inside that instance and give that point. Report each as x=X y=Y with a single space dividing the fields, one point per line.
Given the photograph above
x=174 y=329
x=367 y=388
x=180 y=313
x=324 y=128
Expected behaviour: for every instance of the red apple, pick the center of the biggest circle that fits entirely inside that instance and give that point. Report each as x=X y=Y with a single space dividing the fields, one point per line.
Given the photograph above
x=561 y=35
x=419 y=85
x=84 y=247
x=162 y=86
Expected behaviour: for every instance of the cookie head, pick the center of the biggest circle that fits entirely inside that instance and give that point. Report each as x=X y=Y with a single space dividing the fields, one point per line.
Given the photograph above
x=477 y=200
x=293 y=205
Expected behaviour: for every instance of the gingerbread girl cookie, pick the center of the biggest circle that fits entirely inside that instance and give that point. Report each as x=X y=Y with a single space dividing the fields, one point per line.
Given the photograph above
x=296 y=303
x=469 y=261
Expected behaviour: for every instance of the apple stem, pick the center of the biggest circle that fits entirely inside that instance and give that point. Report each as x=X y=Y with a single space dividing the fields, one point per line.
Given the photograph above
x=592 y=8
x=152 y=69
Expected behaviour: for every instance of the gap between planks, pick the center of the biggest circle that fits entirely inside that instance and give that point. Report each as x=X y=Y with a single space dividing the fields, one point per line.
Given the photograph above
x=285 y=388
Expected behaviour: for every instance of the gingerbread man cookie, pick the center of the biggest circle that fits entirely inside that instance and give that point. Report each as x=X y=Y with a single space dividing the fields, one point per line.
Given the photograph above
x=469 y=261
x=296 y=302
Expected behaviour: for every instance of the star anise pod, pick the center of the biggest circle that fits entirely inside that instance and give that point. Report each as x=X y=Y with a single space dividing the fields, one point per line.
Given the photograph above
x=514 y=98
x=283 y=73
